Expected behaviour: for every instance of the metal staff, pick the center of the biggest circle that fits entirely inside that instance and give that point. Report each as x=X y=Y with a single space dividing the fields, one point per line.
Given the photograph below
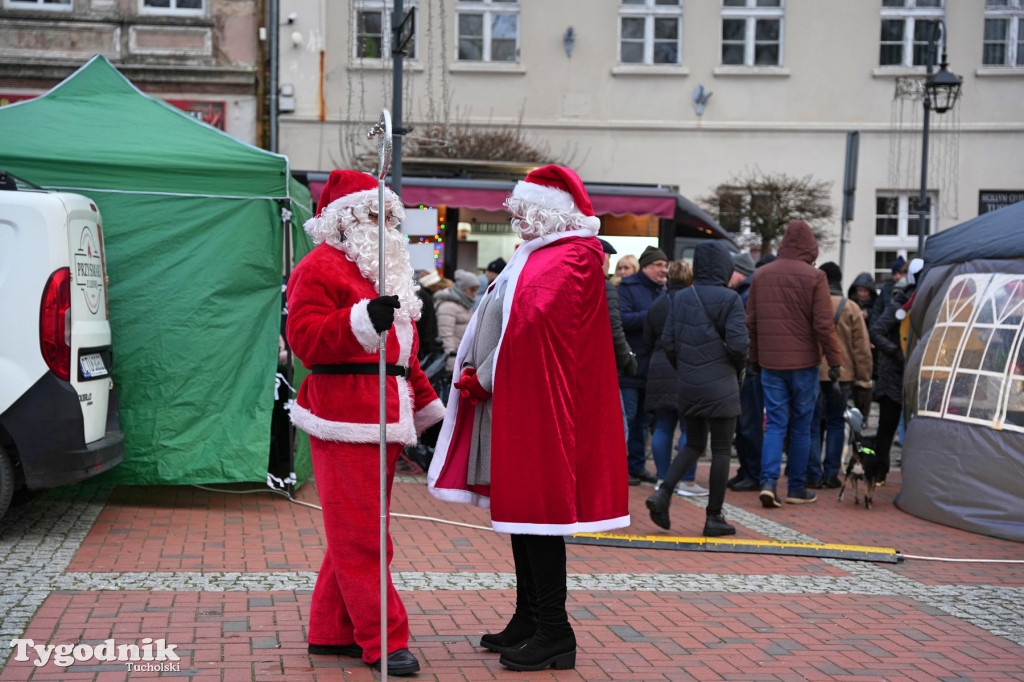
x=382 y=131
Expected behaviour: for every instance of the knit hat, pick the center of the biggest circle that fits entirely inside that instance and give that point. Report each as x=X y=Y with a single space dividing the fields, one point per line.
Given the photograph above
x=464 y=279
x=558 y=188
x=832 y=272
x=346 y=189
x=651 y=254
x=898 y=264
x=606 y=247
x=743 y=263
x=496 y=265
x=429 y=279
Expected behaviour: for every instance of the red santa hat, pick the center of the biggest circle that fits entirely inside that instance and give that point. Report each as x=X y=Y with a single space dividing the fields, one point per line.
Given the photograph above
x=560 y=189
x=347 y=188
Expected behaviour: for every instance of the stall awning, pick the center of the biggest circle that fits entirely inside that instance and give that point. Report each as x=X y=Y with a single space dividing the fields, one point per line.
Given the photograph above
x=490 y=195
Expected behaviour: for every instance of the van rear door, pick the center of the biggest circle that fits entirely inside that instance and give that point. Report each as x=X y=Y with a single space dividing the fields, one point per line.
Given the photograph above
x=91 y=357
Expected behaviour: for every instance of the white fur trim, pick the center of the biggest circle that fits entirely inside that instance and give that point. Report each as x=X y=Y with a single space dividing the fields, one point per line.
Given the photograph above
x=403 y=332
x=404 y=431
x=560 y=528
x=431 y=413
x=459 y=496
x=362 y=328
x=591 y=222
x=542 y=195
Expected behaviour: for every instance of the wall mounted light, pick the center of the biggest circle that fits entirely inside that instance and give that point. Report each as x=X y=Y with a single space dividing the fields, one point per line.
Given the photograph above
x=297 y=38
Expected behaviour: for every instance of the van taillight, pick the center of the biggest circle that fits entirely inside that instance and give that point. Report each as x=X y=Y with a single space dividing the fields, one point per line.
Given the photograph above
x=55 y=324
x=103 y=259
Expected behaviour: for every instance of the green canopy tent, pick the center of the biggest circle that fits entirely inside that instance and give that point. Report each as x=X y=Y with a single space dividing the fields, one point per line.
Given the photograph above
x=193 y=226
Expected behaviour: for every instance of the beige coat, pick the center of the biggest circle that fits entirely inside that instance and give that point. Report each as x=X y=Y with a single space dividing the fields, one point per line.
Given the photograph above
x=452 y=319
x=854 y=342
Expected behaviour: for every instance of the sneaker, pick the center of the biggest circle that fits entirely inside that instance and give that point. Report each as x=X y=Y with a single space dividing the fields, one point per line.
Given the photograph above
x=745 y=485
x=805 y=496
x=634 y=480
x=769 y=500
x=832 y=482
x=814 y=483
x=690 y=489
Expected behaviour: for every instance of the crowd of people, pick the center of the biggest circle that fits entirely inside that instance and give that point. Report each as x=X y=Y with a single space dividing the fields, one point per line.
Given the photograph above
x=558 y=370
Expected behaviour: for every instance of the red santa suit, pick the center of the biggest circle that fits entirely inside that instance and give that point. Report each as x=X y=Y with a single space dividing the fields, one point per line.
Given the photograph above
x=328 y=326
x=557 y=448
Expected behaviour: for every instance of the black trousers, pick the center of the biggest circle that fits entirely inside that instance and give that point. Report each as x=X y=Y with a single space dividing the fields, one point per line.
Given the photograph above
x=722 y=430
x=888 y=422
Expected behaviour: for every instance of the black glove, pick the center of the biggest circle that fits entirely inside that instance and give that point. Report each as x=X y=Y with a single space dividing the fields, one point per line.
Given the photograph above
x=833 y=374
x=382 y=312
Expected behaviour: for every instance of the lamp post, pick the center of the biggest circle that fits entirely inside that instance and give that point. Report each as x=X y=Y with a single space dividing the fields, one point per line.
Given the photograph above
x=941 y=91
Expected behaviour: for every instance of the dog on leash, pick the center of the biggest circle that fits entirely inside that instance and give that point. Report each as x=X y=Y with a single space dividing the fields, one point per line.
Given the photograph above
x=863 y=464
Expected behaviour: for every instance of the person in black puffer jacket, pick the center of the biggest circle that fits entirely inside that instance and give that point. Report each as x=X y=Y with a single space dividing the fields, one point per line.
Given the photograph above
x=864 y=293
x=706 y=340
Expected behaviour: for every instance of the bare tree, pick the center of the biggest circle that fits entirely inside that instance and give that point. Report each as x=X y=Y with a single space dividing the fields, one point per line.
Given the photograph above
x=766 y=203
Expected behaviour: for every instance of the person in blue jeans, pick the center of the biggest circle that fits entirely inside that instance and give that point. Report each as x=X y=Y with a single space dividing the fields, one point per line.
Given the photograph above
x=636 y=294
x=789 y=320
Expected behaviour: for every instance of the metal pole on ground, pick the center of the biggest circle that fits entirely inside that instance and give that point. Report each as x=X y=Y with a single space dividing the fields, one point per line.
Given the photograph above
x=382 y=132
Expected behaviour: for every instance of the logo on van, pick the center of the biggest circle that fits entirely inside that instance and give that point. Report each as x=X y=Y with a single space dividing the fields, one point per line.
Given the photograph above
x=89 y=270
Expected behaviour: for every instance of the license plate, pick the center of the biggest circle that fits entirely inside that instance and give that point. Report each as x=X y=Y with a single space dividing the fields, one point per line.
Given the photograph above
x=92 y=366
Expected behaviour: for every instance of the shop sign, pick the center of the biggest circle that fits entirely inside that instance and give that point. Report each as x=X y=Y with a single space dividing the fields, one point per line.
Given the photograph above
x=211 y=113
x=994 y=199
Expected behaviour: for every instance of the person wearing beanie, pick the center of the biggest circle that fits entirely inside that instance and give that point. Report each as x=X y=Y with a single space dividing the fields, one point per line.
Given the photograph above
x=863 y=293
x=831 y=404
x=532 y=428
x=337 y=310
x=494 y=269
x=742 y=268
x=789 y=317
x=636 y=295
x=454 y=307
x=750 y=423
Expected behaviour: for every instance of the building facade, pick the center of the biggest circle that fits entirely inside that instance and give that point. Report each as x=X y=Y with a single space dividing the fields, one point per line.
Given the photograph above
x=687 y=93
x=199 y=55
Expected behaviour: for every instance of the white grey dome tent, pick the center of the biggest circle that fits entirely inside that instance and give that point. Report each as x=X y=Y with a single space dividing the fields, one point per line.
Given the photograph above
x=963 y=454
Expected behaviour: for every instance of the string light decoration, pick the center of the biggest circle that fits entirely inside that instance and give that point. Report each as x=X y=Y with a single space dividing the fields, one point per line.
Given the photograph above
x=438 y=239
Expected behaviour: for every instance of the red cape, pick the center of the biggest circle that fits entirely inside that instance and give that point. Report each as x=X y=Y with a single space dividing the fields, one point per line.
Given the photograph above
x=558 y=451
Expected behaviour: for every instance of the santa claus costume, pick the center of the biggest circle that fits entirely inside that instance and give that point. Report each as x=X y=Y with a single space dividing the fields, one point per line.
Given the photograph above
x=335 y=311
x=533 y=428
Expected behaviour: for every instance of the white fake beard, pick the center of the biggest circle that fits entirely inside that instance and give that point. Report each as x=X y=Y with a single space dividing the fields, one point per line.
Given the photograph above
x=360 y=246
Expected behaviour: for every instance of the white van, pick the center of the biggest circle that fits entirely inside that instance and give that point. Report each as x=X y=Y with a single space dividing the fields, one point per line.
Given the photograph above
x=58 y=405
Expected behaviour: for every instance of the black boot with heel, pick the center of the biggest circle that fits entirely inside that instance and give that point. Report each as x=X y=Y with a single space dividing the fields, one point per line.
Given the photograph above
x=523 y=625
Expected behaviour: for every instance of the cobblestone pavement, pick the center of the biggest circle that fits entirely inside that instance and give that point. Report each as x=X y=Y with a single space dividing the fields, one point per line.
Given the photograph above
x=227 y=577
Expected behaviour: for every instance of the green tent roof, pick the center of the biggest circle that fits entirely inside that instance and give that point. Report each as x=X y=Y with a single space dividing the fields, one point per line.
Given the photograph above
x=182 y=155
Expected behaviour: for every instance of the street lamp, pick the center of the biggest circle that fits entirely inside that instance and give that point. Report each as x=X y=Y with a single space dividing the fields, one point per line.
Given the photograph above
x=941 y=91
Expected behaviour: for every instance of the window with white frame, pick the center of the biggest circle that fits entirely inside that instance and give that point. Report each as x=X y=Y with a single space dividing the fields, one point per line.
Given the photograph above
x=906 y=27
x=487 y=30
x=752 y=32
x=651 y=31
x=176 y=7
x=1004 y=33
x=896 y=225
x=373 y=32
x=972 y=369
x=38 y=4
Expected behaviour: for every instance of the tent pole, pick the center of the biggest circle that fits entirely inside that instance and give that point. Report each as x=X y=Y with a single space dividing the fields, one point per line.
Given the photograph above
x=286 y=223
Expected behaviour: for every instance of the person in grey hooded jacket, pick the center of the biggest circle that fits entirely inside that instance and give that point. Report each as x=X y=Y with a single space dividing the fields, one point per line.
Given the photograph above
x=705 y=339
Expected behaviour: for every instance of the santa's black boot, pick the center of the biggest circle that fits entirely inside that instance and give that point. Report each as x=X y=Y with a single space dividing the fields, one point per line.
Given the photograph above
x=554 y=643
x=524 y=622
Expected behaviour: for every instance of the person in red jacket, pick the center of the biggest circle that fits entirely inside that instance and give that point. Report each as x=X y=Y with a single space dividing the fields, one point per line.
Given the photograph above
x=789 y=319
x=534 y=430
x=336 y=312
